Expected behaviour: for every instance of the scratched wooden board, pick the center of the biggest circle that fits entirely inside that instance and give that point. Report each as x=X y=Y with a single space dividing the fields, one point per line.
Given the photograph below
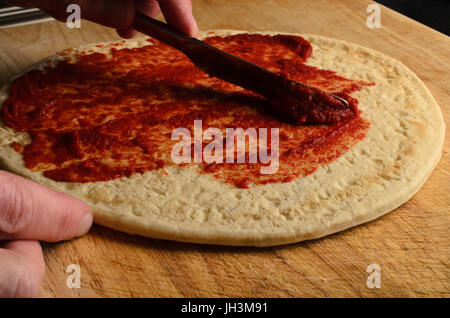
x=411 y=244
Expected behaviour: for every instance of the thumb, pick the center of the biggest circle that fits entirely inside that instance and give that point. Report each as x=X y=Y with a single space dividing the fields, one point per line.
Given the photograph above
x=31 y=211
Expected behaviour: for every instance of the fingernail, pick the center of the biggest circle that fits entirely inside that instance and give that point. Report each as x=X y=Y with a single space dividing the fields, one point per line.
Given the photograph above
x=85 y=225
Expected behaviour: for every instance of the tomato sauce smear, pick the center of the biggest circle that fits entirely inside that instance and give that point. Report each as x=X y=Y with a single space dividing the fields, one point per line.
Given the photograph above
x=107 y=116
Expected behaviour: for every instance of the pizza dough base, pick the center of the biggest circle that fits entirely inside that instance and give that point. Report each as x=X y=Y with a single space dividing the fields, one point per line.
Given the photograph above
x=402 y=147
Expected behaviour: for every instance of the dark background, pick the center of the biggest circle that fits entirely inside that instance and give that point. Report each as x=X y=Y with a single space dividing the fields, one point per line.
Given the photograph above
x=433 y=13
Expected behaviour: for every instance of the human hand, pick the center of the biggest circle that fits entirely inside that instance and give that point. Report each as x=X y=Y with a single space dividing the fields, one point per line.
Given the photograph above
x=30 y=212
x=119 y=14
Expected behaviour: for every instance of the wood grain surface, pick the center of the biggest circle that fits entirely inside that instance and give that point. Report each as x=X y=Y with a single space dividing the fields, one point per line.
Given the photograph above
x=410 y=244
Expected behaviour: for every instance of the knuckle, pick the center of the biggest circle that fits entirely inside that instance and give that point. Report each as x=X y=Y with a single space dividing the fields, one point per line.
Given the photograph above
x=21 y=277
x=25 y=282
x=12 y=211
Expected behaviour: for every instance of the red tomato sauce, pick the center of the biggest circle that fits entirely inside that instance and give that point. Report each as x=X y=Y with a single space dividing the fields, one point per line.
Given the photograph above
x=105 y=117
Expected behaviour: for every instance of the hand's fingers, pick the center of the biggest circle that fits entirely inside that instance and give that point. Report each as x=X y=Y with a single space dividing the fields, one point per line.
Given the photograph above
x=61 y=17
x=117 y=14
x=178 y=13
x=148 y=7
x=31 y=211
x=22 y=269
x=127 y=33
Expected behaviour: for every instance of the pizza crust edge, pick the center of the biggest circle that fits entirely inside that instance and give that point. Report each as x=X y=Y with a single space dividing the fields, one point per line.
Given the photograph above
x=383 y=171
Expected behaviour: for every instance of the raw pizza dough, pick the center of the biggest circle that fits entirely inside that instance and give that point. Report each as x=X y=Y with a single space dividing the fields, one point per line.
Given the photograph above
x=402 y=147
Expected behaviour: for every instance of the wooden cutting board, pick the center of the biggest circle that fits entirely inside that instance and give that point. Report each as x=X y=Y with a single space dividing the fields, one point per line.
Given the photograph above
x=411 y=244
